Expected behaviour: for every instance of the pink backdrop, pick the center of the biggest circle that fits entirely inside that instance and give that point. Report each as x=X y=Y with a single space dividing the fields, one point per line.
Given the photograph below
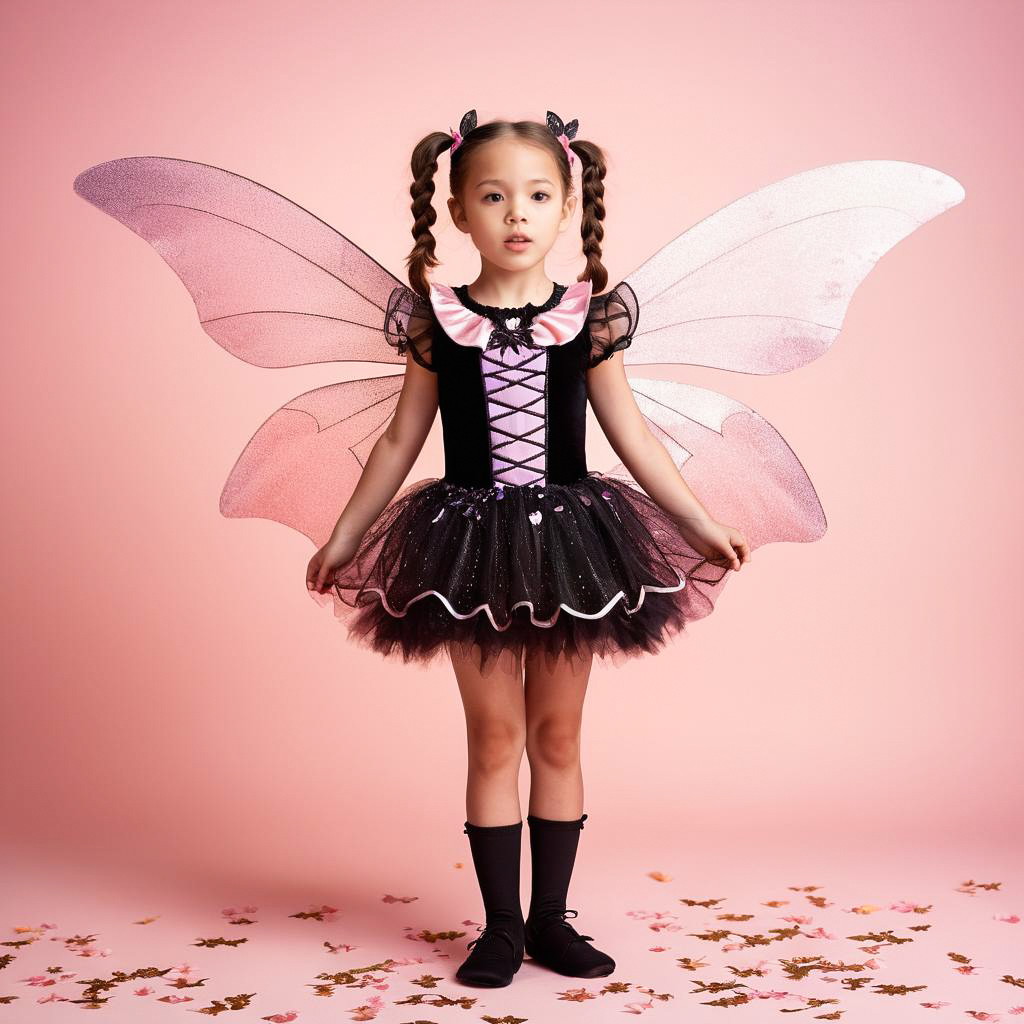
x=176 y=706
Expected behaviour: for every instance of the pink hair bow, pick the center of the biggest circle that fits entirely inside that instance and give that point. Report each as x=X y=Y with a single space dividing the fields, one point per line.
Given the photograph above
x=554 y=326
x=564 y=140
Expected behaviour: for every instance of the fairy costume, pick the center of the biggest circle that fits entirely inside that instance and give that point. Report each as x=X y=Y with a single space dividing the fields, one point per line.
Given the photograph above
x=520 y=543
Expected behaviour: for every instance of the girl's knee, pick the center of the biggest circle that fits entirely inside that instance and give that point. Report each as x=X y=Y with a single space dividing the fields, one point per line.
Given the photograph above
x=496 y=744
x=554 y=742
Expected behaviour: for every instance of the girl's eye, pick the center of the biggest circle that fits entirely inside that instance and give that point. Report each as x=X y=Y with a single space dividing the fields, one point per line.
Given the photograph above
x=498 y=194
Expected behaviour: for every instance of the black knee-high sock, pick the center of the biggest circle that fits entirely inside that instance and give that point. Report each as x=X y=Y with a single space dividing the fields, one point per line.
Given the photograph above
x=553 y=846
x=496 y=854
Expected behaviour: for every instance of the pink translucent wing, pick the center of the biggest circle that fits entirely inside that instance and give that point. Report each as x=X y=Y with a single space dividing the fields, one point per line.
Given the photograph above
x=272 y=283
x=763 y=285
x=737 y=464
x=276 y=286
x=303 y=463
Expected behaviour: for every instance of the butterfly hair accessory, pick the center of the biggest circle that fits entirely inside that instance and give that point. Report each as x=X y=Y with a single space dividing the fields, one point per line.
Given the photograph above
x=466 y=125
x=561 y=131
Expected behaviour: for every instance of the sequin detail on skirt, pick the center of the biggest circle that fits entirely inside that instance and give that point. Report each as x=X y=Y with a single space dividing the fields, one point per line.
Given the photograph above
x=594 y=567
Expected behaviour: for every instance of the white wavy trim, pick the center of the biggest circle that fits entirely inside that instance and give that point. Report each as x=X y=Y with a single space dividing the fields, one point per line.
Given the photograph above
x=554 y=618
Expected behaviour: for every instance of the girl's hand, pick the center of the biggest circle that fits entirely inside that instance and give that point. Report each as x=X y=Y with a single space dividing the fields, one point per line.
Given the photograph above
x=334 y=555
x=721 y=545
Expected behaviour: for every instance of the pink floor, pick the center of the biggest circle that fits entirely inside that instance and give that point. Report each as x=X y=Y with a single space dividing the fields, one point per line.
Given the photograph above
x=864 y=930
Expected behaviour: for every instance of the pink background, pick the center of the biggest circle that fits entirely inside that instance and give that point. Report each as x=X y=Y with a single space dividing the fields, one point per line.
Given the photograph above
x=175 y=705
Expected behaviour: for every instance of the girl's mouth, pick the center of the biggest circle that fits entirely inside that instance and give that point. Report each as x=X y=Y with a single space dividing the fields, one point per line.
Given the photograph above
x=517 y=244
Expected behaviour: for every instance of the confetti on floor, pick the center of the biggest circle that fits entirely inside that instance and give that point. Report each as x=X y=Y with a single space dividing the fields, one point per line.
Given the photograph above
x=741 y=940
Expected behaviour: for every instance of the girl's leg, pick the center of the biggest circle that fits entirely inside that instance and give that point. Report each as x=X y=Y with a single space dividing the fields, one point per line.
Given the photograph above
x=496 y=737
x=554 y=715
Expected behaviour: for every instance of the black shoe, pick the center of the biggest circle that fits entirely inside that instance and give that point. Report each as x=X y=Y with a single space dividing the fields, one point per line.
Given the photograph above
x=553 y=942
x=494 y=961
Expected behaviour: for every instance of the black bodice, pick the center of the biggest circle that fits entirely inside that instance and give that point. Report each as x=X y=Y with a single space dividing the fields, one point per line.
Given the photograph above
x=514 y=411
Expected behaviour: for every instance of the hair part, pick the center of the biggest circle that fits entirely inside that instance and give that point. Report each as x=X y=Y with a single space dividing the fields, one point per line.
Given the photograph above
x=423 y=257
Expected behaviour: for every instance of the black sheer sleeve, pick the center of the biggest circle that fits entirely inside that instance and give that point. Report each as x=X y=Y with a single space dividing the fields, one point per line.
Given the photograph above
x=611 y=322
x=409 y=325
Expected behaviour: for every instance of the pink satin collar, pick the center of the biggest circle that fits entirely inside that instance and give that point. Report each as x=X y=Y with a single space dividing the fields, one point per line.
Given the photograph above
x=554 y=326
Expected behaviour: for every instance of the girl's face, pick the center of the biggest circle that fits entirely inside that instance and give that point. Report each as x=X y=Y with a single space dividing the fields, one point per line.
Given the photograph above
x=512 y=188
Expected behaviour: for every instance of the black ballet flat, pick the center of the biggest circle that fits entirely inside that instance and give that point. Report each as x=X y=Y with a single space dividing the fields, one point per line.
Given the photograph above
x=554 y=943
x=495 y=960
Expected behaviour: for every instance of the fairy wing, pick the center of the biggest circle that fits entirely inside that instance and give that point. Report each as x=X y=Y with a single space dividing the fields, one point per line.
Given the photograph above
x=760 y=286
x=276 y=286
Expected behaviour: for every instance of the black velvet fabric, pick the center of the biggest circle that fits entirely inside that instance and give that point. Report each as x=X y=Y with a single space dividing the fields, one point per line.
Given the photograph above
x=462 y=404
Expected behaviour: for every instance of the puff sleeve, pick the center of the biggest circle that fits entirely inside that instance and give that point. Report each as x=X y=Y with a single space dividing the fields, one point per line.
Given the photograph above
x=409 y=325
x=611 y=322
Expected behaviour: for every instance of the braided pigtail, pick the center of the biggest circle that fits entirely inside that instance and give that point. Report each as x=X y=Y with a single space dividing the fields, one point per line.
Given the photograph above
x=424 y=167
x=592 y=174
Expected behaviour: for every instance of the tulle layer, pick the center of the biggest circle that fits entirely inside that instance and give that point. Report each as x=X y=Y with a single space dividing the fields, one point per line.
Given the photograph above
x=591 y=568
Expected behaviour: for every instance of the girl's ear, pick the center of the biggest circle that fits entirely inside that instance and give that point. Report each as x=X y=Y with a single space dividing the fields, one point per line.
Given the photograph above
x=568 y=209
x=457 y=214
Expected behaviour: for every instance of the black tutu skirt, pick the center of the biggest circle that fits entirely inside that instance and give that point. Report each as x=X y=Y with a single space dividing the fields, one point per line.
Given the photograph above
x=591 y=568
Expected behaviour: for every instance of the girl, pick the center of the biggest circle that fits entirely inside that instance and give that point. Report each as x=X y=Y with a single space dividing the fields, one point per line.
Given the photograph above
x=520 y=563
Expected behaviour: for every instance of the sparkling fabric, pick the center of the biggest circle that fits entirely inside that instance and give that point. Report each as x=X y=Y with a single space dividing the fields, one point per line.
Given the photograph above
x=592 y=568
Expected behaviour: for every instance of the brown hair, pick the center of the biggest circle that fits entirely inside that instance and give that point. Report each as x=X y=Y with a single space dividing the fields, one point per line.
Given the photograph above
x=424 y=167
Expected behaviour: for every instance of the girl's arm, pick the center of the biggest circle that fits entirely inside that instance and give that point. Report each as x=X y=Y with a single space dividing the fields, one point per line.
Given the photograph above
x=641 y=452
x=653 y=469
x=392 y=456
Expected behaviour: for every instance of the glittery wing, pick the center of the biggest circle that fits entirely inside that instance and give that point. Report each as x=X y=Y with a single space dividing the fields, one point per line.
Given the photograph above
x=740 y=467
x=760 y=286
x=276 y=286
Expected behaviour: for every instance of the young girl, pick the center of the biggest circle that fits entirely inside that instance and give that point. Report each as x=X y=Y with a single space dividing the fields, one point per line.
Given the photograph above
x=520 y=563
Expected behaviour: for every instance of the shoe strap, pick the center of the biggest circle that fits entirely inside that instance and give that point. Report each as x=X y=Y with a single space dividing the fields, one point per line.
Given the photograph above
x=562 y=922
x=485 y=931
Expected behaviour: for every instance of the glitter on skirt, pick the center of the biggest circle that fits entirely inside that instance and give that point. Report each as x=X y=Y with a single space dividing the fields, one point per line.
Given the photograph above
x=594 y=567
